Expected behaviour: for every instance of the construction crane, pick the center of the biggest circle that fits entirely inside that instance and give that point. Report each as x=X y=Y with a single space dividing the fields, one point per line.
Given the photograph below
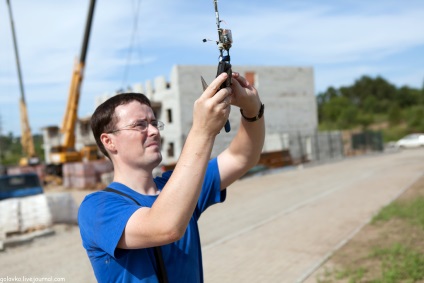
x=66 y=152
x=29 y=156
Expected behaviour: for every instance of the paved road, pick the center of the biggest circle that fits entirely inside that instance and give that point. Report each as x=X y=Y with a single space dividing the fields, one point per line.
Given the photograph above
x=275 y=228
x=279 y=228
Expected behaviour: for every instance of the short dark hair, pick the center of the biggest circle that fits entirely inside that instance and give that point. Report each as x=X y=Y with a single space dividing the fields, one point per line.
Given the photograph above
x=104 y=118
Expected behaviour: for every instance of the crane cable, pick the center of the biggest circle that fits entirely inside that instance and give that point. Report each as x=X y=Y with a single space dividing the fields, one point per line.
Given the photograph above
x=132 y=42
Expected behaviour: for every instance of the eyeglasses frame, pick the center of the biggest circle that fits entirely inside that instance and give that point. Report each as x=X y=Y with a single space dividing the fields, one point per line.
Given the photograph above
x=133 y=126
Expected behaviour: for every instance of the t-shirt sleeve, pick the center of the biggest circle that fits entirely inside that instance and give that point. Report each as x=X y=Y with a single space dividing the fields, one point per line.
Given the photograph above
x=102 y=218
x=211 y=189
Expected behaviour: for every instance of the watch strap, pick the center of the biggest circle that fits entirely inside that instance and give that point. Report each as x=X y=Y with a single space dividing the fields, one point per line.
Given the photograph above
x=257 y=117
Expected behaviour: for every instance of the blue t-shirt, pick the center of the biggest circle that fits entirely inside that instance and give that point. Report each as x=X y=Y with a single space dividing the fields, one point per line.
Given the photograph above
x=102 y=218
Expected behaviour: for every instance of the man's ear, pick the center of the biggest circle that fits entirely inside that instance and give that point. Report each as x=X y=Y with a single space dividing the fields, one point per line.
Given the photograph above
x=107 y=142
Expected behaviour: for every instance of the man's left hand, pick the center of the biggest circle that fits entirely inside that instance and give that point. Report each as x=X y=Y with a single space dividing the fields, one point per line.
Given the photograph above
x=245 y=96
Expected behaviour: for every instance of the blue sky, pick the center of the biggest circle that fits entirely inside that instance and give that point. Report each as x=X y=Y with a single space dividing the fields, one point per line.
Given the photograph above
x=341 y=40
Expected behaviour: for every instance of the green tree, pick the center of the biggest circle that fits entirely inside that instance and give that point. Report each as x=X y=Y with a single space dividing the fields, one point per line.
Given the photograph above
x=369 y=100
x=414 y=118
x=366 y=87
x=332 y=110
x=407 y=97
x=11 y=149
x=348 y=117
x=394 y=115
x=370 y=104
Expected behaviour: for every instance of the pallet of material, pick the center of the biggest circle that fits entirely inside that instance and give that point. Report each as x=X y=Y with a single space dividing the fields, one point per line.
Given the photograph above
x=35 y=213
x=275 y=159
x=80 y=182
x=83 y=175
x=63 y=208
x=9 y=217
x=20 y=215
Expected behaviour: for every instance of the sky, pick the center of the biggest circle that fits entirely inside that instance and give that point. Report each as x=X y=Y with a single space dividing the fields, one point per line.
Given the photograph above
x=133 y=41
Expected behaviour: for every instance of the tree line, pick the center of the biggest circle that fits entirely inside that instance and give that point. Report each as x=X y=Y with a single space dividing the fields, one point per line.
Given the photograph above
x=372 y=101
x=11 y=149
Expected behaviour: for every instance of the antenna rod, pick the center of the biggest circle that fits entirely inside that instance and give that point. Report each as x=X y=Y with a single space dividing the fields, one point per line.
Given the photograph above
x=216 y=13
x=224 y=65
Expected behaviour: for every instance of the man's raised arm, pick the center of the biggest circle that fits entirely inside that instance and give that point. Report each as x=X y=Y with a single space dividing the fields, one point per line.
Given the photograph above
x=246 y=147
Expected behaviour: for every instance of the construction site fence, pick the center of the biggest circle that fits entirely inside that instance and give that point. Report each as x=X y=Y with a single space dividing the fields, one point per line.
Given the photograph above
x=317 y=146
x=320 y=146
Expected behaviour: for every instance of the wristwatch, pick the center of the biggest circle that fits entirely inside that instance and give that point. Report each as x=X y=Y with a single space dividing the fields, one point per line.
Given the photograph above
x=257 y=117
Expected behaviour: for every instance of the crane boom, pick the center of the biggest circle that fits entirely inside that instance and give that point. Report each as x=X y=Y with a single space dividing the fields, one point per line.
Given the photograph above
x=66 y=152
x=71 y=112
x=27 y=141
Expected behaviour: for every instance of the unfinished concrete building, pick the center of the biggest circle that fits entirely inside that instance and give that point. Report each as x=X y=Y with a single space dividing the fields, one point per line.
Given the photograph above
x=287 y=92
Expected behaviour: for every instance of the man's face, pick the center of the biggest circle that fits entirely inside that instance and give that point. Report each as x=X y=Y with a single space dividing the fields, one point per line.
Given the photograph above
x=134 y=147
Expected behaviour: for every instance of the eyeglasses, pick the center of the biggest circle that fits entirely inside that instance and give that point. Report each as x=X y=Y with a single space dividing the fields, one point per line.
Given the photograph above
x=140 y=125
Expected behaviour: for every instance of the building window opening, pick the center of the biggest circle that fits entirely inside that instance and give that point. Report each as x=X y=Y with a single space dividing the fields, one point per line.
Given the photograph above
x=84 y=128
x=171 y=149
x=169 y=114
x=250 y=77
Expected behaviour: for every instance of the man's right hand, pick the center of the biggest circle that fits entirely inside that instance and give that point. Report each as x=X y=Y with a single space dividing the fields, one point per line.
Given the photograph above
x=212 y=108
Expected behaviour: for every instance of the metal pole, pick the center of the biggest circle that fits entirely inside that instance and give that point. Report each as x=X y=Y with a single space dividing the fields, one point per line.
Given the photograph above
x=317 y=145
x=330 y=143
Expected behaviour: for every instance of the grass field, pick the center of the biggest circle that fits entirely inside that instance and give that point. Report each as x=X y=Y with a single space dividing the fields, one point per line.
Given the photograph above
x=390 y=249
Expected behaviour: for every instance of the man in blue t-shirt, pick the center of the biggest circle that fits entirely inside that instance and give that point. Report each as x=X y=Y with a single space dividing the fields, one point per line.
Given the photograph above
x=121 y=227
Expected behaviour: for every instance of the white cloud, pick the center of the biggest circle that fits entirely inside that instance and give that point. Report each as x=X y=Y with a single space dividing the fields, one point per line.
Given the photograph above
x=320 y=36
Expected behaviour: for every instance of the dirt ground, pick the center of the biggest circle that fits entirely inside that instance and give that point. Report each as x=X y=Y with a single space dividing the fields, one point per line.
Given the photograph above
x=356 y=252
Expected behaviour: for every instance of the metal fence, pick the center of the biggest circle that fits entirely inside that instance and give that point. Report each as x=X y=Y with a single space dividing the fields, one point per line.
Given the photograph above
x=317 y=146
x=368 y=141
x=321 y=146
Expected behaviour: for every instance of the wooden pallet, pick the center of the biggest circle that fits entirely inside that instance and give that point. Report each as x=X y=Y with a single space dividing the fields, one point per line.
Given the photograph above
x=275 y=159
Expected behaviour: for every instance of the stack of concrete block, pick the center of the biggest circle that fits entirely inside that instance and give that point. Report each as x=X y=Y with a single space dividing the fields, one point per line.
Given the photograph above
x=104 y=169
x=84 y=175
x=102 y=166
x=34 y=213
x=9 y=217
x=63 y=208
x=79 y=175
x=20 y=215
